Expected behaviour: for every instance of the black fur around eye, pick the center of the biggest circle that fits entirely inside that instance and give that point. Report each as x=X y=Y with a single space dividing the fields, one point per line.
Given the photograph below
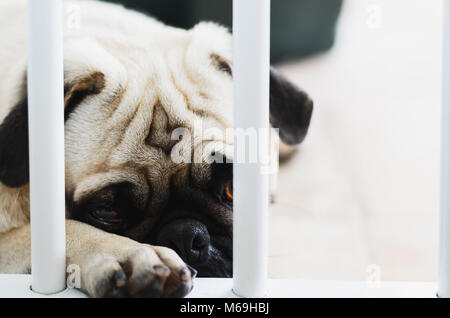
x=113 y=209
x=221 y=182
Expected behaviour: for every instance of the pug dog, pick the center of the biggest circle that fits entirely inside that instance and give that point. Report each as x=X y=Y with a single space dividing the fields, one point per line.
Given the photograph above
x=139 y=223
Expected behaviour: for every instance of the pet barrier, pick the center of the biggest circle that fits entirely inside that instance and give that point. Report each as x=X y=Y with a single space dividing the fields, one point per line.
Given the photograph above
x=444 y=241
x=251 y=75
x=251 y=60
x=46 y=123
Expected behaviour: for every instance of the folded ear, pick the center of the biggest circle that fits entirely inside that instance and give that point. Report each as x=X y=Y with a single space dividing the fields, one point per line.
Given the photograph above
x=290 y=109
x=75 y=93
x=14 y=156
x=14 y=169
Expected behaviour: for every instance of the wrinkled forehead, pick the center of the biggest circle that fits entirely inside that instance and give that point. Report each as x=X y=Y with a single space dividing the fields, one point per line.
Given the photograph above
x=159 y=106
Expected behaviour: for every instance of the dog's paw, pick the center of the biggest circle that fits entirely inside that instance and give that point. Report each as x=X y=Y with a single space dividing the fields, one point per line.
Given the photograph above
x=139 y=271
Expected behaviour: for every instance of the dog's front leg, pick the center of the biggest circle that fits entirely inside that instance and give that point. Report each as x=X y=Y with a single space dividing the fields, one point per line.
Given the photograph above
x=110 y=265
x=15 y=256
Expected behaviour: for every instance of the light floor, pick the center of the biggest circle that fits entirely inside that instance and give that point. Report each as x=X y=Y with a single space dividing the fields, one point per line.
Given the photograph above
x=18 y=286
x=360 y=200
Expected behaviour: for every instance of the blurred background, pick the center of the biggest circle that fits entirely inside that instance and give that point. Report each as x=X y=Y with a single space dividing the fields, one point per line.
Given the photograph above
x=361 y=196
x=299 y=27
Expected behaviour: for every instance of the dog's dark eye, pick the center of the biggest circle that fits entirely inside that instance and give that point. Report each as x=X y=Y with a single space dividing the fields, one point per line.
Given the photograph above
x=106 y=216
x=228 y=191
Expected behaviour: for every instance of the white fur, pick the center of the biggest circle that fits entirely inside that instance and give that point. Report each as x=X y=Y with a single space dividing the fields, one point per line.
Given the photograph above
x=155 y=65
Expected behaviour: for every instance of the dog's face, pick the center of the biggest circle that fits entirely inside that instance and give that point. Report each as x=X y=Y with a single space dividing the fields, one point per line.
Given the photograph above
x=126 y=103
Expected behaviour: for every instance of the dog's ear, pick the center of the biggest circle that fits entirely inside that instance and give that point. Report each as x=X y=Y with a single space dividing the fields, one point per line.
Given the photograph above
x=290 y=109
x=14 y=169
x=76 y=92
x=14 y=156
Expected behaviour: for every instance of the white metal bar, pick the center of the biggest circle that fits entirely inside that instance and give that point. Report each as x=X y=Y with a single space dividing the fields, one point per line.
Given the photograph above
x=46 y=130
x=251 y=67
x=444 y=262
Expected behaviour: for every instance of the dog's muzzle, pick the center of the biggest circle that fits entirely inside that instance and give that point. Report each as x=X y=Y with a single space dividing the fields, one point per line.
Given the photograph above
x=191 y=240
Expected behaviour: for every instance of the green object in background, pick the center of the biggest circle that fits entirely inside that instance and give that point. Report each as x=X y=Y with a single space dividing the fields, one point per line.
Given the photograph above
x=299 y=27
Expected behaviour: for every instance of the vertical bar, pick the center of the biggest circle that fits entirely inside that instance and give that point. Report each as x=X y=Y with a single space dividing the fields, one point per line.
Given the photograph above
x=444 y=261
x=46 y=131
x=251 y=60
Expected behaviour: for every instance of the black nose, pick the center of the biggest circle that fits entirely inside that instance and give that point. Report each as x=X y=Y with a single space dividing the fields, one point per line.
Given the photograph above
x=189 y=238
